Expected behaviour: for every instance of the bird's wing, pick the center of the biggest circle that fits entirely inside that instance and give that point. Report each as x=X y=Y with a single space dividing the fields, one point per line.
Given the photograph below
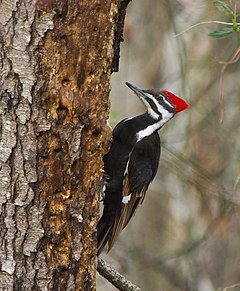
x=141 y=170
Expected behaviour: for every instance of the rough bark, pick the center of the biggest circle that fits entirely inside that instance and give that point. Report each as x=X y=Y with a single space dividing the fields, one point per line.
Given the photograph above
x=56 y=60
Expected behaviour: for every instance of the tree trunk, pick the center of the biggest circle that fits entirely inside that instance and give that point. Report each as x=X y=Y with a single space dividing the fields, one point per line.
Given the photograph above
x=56 y=61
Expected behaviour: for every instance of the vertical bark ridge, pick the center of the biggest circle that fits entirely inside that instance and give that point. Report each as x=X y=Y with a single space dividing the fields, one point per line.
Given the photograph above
x=56 y=59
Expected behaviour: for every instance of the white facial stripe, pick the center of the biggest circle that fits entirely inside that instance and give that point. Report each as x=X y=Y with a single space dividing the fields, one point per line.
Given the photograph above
x=153 y=114
x=166 y=101
x=160 y=108
x=154 y=127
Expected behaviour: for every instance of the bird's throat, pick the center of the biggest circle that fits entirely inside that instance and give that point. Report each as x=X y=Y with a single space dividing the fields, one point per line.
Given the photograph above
x=150 y=129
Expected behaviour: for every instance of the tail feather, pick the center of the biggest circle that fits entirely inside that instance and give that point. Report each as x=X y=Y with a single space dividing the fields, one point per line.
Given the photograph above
x=102 y=234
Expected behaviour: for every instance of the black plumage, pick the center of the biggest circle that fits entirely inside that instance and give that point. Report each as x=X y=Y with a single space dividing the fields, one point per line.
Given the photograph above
x=132 y=162
x=130 y=168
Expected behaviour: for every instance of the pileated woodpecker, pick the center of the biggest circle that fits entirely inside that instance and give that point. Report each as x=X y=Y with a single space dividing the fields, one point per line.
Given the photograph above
x=132 y=161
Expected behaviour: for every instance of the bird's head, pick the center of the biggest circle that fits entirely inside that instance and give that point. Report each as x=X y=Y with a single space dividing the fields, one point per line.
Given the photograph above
x=160 y=104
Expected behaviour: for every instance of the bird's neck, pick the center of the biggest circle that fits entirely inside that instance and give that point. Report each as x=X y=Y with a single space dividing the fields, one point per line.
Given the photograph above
x=134 y=129
x=148 y=125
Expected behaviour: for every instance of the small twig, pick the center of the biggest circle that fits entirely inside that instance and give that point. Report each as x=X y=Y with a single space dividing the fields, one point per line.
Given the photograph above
x=115 y=278
x=230 y=287
x=235 y=184
x=201 y=23
x=234 y=58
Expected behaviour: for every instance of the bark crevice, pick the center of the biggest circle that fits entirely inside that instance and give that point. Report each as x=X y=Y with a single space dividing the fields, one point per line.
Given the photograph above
x=56 y=59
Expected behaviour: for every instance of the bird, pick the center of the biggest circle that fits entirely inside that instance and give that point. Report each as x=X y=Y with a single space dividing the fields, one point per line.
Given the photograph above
x=132 y=161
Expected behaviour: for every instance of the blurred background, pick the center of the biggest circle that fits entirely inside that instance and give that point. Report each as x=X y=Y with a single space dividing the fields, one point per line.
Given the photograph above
x=186 y=235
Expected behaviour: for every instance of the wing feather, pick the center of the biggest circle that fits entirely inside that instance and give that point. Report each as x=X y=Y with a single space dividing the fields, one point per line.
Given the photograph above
x=141 y=170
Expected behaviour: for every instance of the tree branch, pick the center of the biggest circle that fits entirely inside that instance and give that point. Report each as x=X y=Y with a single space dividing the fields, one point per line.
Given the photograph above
x=115 y=278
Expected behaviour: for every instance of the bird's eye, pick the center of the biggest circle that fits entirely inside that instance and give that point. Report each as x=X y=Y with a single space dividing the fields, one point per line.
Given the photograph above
x=160 y=98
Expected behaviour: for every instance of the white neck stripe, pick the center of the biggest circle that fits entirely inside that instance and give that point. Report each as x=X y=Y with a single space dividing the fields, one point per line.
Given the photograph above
x=153 y=114
x=154 y=127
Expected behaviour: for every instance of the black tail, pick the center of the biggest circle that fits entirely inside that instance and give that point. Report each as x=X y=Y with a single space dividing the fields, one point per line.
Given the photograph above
x=103 y=230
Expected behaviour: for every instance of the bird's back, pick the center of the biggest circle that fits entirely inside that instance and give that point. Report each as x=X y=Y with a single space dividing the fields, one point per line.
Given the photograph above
x=131 y=174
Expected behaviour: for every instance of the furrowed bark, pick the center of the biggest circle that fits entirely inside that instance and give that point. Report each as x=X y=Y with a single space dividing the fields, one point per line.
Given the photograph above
x=56 y=60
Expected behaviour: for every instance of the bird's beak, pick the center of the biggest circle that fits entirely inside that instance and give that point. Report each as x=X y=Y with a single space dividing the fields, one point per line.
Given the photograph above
x=140 y=93
x=178 y=103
